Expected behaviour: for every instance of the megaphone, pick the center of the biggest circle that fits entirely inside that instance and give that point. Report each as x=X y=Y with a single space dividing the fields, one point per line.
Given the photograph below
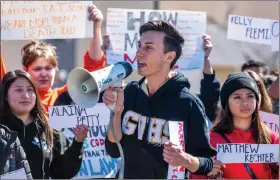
x=84 y=87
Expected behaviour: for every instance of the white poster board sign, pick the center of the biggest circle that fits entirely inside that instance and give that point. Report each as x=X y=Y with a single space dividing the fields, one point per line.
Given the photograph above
x=249 y=29
x=73 y=115
x=123 y=27
x=274 y=35
x=17 y=174
x=96 y=162
x=176 y=129
x=271 y=120
x=248 y=153
x=25 y=20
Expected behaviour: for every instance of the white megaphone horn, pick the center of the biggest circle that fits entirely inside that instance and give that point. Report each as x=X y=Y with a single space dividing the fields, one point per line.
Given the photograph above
x=85 y=87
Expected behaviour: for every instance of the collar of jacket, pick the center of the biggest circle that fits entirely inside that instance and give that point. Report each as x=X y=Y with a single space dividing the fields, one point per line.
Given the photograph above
x=16 y=124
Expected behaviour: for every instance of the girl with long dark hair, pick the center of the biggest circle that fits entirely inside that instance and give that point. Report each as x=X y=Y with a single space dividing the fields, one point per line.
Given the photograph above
x=48 y=152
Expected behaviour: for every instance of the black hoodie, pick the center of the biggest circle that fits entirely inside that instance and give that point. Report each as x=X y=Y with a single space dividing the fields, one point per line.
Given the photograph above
x=63 y=161
x=143 y=147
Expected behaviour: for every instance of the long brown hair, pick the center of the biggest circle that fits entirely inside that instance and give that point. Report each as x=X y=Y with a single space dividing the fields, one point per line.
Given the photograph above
x=266 y=104
x=37 y=112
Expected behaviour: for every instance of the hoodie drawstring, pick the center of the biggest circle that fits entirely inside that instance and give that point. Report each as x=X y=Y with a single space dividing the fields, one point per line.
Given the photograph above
x=42 y=149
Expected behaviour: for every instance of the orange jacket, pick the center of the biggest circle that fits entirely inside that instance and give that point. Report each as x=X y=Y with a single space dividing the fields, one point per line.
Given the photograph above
x=2 y=68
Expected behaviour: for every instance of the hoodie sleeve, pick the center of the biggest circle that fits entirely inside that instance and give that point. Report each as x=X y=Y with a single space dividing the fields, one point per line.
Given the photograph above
x=209 y=94
x=67 y=159
x=196 y=132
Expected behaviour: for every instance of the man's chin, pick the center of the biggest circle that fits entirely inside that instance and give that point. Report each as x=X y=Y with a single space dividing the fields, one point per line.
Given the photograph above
x=141 y=73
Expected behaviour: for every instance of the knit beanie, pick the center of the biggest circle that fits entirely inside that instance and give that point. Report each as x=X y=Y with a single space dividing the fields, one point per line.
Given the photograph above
x=235 y=81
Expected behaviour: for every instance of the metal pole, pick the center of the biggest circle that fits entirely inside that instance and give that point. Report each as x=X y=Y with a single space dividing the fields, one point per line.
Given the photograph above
x=156 y=5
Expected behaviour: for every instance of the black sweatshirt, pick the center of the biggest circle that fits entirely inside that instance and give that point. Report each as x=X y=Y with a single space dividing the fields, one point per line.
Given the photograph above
x=63 y=161
x=143 y=145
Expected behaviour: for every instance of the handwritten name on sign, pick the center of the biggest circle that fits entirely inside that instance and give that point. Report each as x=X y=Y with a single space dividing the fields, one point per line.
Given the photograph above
x=271 y=120
x=73 y=115
x=176 y=129
x=274 y=35
x=21 y=20
x=123 y=27
x=249 y=29
x=248 y=153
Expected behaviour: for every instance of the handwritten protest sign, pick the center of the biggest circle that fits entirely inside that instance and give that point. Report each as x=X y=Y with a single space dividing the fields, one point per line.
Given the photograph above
x=249 y=29
x=176 y=130
x=73 y=115
x=248 y=153
x=123 y=27
x=21 y=20
x=18 y=174
x=274 y=35
x=96 y=162
x=271 y=120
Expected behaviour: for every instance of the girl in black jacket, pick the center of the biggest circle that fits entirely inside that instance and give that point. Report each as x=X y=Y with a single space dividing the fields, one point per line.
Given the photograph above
x=49 y=153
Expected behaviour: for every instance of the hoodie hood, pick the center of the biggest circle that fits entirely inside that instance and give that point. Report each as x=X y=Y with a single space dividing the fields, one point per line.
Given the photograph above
x=177 y=81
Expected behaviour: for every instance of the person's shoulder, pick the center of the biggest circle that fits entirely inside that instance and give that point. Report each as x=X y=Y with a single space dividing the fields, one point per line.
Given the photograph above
x=189 y=97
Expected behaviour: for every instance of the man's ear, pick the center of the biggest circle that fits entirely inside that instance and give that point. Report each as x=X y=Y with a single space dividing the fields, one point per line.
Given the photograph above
x=170 y=56
x=25 y=68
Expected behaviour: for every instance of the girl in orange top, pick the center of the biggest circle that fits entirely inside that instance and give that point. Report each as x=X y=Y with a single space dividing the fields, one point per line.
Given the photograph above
x=238 y=122
x=40 y=61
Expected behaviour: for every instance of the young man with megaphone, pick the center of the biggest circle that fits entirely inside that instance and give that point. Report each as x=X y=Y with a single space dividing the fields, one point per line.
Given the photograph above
x=144 y=110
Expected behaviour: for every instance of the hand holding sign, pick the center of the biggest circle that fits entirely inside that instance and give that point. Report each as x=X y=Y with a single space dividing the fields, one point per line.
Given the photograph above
x=95 y=15
x=207 y=45
x=216 y=169
x=81 y=133
x=175 y=156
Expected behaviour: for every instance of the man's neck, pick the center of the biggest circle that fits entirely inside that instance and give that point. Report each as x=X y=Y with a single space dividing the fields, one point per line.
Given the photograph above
x=155 y=81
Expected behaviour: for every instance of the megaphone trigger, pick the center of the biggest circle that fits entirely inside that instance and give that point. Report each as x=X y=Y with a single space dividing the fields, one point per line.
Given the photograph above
x=112 y=107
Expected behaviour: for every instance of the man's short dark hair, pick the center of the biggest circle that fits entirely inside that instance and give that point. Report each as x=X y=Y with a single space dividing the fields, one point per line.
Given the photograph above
x=255 y=64
x=173 y=40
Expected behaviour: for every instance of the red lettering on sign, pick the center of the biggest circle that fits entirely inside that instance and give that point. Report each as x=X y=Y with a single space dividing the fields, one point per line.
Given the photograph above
x=127 y=58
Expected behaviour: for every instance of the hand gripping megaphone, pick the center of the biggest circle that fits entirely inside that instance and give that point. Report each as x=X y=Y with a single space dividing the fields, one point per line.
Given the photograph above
x=85 y=87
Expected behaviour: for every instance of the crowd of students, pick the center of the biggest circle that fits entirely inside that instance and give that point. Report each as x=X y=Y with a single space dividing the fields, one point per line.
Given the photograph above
x=142 y=112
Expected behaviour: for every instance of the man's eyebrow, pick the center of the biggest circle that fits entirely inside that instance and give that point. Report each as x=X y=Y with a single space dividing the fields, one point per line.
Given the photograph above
x=146 y=42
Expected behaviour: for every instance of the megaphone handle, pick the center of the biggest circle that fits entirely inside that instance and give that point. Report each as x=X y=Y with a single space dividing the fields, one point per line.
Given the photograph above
x=112 y=107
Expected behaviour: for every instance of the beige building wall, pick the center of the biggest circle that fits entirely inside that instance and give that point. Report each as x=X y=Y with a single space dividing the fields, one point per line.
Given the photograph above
x=219 y=10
